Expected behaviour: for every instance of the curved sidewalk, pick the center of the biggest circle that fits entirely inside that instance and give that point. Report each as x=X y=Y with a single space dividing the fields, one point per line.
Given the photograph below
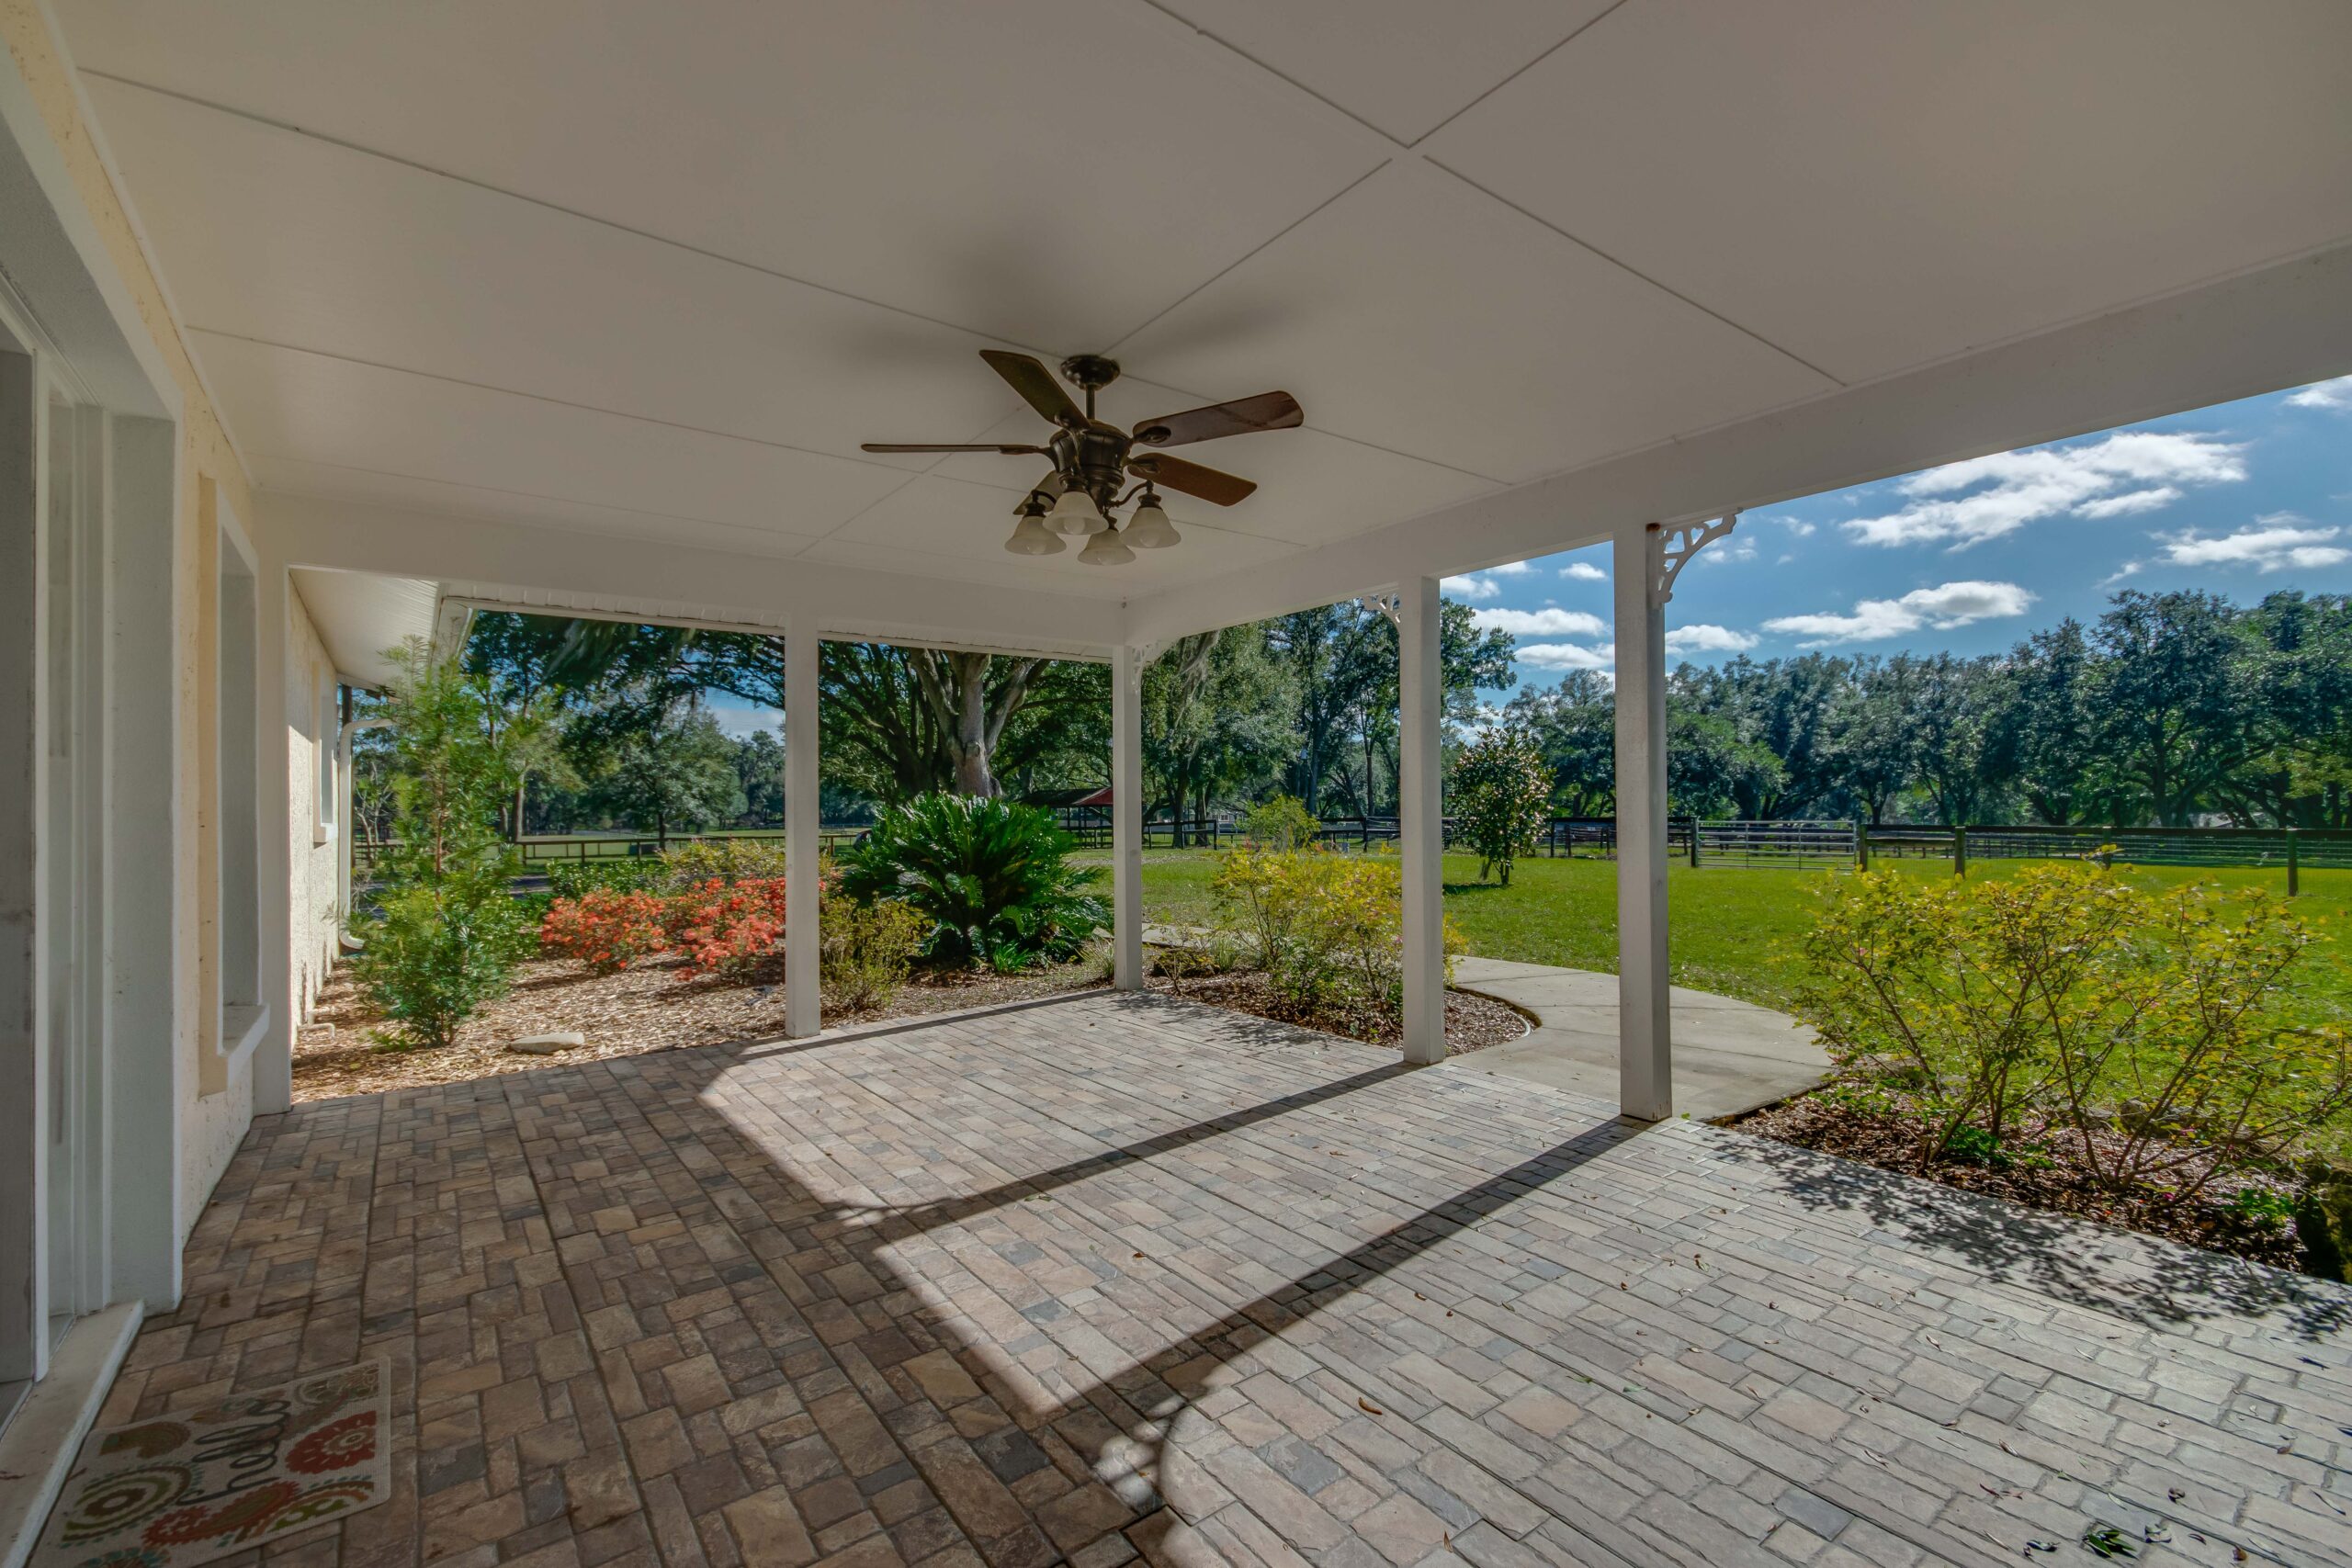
x=1729 y=1056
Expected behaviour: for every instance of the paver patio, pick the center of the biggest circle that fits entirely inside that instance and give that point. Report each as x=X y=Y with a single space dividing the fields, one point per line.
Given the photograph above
x=1121 y=1275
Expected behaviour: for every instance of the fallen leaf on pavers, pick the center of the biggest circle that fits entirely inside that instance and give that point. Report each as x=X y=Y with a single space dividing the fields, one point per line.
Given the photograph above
x=2105 y=1541
x=1368 y=1408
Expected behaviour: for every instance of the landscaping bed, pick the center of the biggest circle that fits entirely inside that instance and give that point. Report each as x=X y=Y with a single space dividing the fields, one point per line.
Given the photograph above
x=1473 y=1021
x=643 y=1008
x=2048 y=1172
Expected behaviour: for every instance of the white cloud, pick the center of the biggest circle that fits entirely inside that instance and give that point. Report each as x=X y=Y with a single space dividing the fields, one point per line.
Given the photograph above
x=1565 y=656
x=2336 y=394
x=2130 y=502
x=1705 y=638
x=2271 y=545
x=1584 y=571
x=1540 y=623
x=1742 y=547
x=1957 y=603
x=1482 y=585
x=1944 y=608
x=2131 y=470
x=1796 y=525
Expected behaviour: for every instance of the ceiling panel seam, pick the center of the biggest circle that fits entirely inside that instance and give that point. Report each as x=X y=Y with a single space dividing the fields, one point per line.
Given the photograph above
x=1586 y=246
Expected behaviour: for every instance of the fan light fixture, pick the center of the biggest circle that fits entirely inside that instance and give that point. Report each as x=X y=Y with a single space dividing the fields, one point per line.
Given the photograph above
x=1093 y=459
x=1149 y=528
x=1030 y=535
x=1106 y=549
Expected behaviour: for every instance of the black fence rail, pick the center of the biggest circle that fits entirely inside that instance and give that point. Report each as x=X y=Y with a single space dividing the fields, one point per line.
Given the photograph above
x=2290 y=851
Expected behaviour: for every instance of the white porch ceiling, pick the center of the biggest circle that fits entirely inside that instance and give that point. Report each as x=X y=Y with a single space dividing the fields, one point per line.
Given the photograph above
x=650 y=273
x=361 y=617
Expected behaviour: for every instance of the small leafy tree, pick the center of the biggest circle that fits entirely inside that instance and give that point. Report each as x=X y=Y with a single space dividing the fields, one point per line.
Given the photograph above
x=993 y=878
x=448 y=929
x=1500 y=796
x=1282 y=824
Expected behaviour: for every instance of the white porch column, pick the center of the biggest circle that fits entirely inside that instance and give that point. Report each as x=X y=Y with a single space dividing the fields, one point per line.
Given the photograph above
x=1126 y=818
x=1646 y=1052
x=1643 y=570
x=1420 y=816
x=803 y=835
x=282 y=807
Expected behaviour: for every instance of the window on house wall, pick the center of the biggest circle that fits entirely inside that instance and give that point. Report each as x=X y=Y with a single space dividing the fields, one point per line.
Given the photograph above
x=325 y=747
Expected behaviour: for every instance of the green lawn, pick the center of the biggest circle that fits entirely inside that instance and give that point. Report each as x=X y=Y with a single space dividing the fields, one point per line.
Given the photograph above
x=1733 y=928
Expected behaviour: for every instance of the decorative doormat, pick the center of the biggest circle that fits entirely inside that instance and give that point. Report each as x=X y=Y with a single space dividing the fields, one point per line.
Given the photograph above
x=197 y=1485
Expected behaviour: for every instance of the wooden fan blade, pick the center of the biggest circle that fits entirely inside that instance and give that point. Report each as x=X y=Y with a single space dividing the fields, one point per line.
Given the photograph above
x=1267 y=410
x=919 y=446
x=1036 y=384
x=1209 y=484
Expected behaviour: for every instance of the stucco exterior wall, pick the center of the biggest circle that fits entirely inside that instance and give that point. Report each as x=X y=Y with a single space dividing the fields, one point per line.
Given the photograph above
x=217 y=1104
x=312 y=853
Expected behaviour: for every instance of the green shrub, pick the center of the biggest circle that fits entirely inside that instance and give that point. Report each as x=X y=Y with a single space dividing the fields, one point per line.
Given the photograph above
x=992 y=878
x=1327 y=928
x=632 y=874
x=446 y=928
x=724 y=859
x=2146 y=1025
x=1281 y=824
x=1500 y=798
x=865 y=950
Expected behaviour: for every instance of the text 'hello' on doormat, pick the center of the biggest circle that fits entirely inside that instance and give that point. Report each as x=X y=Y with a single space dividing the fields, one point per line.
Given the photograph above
x=197 y=1485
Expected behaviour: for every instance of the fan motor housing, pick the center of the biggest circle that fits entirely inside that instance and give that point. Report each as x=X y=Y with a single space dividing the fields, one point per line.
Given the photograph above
x=1094 y=460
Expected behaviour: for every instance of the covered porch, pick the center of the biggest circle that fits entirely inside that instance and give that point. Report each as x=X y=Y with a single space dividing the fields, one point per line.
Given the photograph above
x=322 y=323
x=1120 y=1277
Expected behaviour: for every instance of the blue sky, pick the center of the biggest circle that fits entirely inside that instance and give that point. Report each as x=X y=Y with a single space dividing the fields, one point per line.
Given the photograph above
x=2241 y=499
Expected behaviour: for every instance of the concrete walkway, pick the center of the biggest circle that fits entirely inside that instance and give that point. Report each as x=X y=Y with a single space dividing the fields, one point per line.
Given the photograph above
x=1729 y=1056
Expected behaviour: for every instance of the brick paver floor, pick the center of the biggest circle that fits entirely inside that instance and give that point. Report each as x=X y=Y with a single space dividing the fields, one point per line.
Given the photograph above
x=1124 y=1276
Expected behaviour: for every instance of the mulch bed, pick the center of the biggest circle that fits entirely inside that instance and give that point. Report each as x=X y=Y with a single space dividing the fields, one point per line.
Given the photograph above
x=1472 y=1022
x=648 y=1007
x=644 y=1008
x=2064 y=1184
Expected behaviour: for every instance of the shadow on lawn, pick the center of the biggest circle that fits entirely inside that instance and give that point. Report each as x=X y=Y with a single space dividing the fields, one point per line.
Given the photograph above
x=2144 y=1279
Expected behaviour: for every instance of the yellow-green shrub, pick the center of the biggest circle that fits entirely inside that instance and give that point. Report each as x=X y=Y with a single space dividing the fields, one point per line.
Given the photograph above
x=2156 y=1028
x=1326 y=926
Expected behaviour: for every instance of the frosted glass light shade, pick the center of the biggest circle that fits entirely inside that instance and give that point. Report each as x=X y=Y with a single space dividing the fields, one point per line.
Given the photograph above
x=1032 y=538
x=1105 y=548
x=1149 y=528
x=1076 y=512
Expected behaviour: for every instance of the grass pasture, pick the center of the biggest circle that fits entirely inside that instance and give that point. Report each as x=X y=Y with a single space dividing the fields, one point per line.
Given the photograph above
x=1733 y=928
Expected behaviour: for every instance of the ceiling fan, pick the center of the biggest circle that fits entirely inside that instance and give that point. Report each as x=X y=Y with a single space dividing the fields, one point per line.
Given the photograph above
x=1092 y=459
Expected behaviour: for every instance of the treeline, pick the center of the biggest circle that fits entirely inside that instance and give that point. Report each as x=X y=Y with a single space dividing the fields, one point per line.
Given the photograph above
x=2168 y=710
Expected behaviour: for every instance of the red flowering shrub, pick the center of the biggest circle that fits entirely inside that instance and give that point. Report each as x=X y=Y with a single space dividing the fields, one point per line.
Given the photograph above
x=605 y=928
x=726 y=928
